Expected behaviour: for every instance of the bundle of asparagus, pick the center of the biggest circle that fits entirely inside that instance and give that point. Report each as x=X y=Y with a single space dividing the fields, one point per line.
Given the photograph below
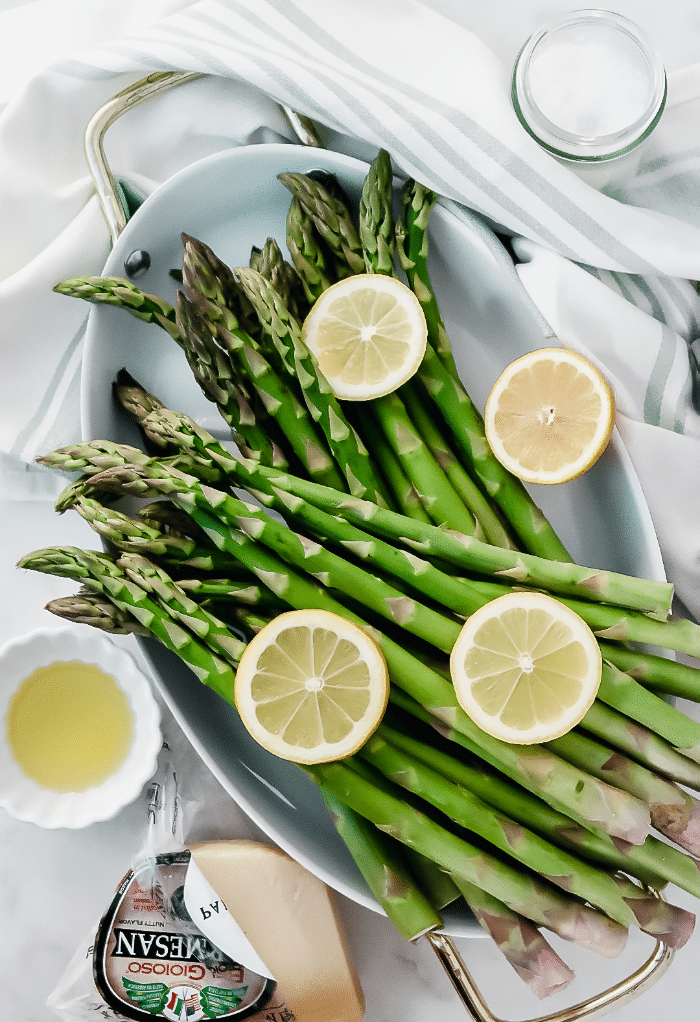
x=398 y=499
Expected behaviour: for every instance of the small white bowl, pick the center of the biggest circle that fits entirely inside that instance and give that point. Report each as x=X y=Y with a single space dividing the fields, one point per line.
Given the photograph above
x=21 y=795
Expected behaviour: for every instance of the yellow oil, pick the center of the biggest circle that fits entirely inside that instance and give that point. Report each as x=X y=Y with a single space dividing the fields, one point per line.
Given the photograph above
x=69 y=726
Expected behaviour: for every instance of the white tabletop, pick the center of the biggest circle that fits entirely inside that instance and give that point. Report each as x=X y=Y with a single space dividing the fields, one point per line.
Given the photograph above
x=56 y=884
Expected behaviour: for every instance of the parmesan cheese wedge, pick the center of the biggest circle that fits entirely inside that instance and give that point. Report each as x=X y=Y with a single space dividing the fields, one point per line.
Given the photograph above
x=289 y=918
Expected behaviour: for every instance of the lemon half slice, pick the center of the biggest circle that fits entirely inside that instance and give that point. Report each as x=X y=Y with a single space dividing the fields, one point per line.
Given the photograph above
x=549 y=416
x=525 y=668
x=368 y=334
x=311 y=687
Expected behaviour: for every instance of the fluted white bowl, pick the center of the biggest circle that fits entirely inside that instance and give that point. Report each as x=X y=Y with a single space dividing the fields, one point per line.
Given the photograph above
x=20 y=795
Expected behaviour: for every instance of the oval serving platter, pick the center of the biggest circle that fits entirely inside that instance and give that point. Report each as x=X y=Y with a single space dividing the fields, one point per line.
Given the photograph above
x=233 y=201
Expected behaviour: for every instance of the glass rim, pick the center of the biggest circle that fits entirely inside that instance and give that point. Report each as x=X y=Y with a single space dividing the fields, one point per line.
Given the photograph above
x=568 y=144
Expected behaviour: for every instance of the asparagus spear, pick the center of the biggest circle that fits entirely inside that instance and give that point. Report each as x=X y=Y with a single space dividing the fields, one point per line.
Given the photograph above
x=412 y=245
x=400 y=487
x=307 y=253
x=658 y=673
x=614 y=728
x=438 y=496
x=283 y=276
x=472 y=555
x=521 y=891
x=492 y=528
x=438 y=886
x=334 y=571
x=101 y=573
x=90 y=608
x=175 y=601
x=618 y=898
x=673 y=811
x=137 y=403
x=612 y=622
x=625 y=694
x=212 y=287
x=216 y=376
x=251 y=620
x=281 y=405
x=170 y=519
x=330 y=216
x=122 y=294
x=137 y=536
x=387 y=874
x=521 y=943
x=376 y=223
x=344 y=443
x=653 y=862
x=93 y=457
x=615 y=622
x=250 y=593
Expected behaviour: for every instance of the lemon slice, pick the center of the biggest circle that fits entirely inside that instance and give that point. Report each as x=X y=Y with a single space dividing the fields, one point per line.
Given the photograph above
x=525 y=668
x=368 y=334
x=311 y=687
x=549 y=416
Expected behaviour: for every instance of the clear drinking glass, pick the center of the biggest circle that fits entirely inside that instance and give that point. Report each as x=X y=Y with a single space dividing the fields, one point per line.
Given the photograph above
x=590 y=89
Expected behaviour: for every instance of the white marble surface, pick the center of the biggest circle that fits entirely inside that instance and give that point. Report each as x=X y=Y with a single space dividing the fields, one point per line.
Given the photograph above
x=55 y=884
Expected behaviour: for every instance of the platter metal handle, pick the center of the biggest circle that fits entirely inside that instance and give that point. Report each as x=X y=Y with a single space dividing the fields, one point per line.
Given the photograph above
x=106 y=187
x=593 y=1007
x=112 y=205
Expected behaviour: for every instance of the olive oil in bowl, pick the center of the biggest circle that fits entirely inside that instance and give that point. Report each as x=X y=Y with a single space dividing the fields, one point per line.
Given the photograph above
x=69 y=725
x=79 y=727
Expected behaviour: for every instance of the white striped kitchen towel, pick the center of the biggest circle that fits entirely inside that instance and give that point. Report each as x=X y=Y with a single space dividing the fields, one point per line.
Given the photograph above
x=611 y=275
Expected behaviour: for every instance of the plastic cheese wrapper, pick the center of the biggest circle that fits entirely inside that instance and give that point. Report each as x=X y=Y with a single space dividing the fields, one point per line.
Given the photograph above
x=224 y=929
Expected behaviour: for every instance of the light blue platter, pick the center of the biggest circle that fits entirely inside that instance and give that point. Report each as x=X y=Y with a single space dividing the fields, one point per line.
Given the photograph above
x=233 y=201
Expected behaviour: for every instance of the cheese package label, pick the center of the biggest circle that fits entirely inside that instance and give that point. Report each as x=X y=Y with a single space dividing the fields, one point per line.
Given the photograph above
x=168 y=949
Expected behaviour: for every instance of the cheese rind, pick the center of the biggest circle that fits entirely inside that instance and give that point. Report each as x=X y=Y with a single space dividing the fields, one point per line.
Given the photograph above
x=289 y=917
